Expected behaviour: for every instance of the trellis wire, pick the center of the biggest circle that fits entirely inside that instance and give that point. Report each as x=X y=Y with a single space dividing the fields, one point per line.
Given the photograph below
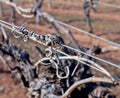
x=95 y=57
x=108 y=4
x=105 y=3
x=33 y=38
x=82 y=31
x=98 y=68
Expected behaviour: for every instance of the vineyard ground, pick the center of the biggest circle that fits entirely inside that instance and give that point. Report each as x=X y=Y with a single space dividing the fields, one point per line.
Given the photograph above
x=106 y=23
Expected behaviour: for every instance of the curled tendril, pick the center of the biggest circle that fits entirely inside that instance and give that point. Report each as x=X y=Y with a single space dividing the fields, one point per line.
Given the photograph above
x=49 y=51
x=67 y=71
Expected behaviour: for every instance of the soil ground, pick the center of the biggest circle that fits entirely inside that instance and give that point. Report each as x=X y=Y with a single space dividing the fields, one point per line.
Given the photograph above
x=106 y=24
